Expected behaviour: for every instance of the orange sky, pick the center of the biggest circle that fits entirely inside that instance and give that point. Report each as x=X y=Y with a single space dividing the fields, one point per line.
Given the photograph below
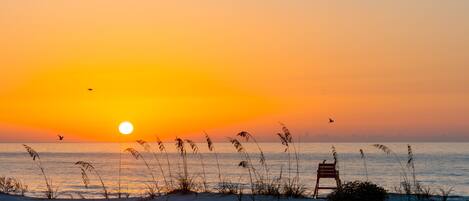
x=385 y=71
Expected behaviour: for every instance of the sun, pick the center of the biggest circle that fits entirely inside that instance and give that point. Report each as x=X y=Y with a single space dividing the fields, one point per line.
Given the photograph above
x=126 y=128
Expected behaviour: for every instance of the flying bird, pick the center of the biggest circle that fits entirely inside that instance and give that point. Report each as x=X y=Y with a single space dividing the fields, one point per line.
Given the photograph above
x=90 y=89
x=61 y=137
x=331 y=120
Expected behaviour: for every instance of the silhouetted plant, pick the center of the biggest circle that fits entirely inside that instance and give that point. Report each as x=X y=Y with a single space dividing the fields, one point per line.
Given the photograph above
x=246 y=164
x=195 y=150
x=229 y=188
x=50 y=192
x=405 y=184
x=363 y=157
x=152 y=191
x=358 y=191
x=335 y=155
x=410 y=165
x=272 y=187
x=286 y=140
x=137 y=156
x=162 y=149
x=424 y=193
x=291 y=187
x=445 y=193
x=88 y=167
x=211 y=148
x=295 y=190
x=147 y=147
x=247 y=136
x=183 y=153
x=185 y=184
x=10 y=185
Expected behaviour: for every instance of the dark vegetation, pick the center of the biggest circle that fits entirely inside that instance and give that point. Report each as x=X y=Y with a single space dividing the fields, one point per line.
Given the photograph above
x=287 y=183
x=358 y=191
x=10 y=185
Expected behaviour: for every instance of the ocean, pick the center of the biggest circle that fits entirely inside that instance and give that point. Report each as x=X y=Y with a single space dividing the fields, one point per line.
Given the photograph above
x=438 y=165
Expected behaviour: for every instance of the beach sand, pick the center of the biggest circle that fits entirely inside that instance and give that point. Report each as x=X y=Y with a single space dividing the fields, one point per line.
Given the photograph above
x=210 y=197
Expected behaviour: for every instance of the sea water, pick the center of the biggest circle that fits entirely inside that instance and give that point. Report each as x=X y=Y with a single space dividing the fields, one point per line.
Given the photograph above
x=438 y=165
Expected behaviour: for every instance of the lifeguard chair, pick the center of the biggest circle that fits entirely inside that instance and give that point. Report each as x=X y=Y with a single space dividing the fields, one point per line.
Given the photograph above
x=327 y=170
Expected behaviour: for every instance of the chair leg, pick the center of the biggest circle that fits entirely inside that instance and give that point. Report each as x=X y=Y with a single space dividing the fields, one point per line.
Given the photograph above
x=338 y=182
x=316 y=189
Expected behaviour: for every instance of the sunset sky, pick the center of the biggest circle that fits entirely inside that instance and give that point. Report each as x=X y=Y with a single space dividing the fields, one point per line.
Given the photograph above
x=384 y=70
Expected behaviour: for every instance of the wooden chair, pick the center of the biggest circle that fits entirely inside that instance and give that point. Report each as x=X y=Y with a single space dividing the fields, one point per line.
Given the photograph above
x=326 y=170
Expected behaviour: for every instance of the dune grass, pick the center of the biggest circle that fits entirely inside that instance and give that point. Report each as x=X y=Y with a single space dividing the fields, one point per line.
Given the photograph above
x=245 y=163
x=211 y=148
x=88 y=167
x=195 y=150
x=137 y=155
x=363 y=157
x=405 y=184
x=285 y=184
x=291 y=186
x=147 y=147
x=413 y=188
x=11 y=185
x=162 y=150
x=185 y=183
x=50 y=192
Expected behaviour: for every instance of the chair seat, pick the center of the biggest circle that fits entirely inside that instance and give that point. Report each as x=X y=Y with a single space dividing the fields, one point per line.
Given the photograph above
x=326 y=170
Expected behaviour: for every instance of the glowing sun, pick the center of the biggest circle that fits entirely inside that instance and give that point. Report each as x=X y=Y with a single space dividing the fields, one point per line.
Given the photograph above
x=126 y=128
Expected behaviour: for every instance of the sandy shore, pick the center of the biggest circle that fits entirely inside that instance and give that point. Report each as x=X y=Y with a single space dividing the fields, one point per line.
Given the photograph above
x=210 y=197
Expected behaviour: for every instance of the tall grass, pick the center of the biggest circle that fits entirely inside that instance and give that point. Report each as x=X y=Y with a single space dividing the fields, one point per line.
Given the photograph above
x=195 y=150
x=152 y=189
x=88 y=167
x=211 y=148
x=137 y=155
x=147 y=147
x=411 y=166
x=245 y=163
x=286 y=139
x=335 y=155
x=363 y=157
x=162 y=149
x=185 y=183
x=405 y=183
x=247 y=136
x=10 y=185
x=444 y=193
x=292 y=187
x=50 y=192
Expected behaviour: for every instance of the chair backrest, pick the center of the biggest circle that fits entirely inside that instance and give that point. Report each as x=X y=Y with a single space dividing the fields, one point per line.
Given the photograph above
x=327 y=170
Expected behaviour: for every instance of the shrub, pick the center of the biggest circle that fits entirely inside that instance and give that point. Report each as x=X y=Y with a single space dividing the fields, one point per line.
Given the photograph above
x=10 y=185
x=184 y=185
x=229 y=188
x=445 y=193
x=358 y=191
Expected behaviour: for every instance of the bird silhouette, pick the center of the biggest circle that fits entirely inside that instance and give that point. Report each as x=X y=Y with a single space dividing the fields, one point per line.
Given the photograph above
x=90 y=89
x=61 y=137
x=331 y=120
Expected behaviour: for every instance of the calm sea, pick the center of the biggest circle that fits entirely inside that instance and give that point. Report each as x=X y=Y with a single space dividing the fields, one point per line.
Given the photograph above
x=437 y=164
